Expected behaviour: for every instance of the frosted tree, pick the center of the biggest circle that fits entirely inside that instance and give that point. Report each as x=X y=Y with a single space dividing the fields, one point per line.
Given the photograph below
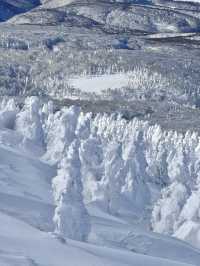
x=167 y=210
x=136 y=179
x=47 y=117
x=83 y=126
x=62 y=132
x=191 y=209
x=156 y=156
x=177 y=160
x=8 y=104
x=91 y=155
x=71 y=217
x=8 y=112
x=28 y=121
x=187 y=227
x=114 y=176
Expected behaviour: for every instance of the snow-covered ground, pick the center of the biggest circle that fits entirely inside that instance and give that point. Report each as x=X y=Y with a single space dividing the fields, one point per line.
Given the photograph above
x=99 y=83
x=25 y=217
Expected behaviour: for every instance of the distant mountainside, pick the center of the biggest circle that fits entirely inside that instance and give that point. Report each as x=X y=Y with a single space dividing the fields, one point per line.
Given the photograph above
x=9 y=8
x=88 y=50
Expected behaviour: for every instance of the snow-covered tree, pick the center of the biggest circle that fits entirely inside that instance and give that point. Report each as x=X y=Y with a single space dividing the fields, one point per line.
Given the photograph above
x=177 y=160
x=156 y=156
x=47 y=117
x=187 y=226
x=61 y=133
x=91 y=155
x=28 y=121
x=71 y=217
x=83 y=126
x=114 y=176
x=136 y=180
x=167 y=210
x=8 y=112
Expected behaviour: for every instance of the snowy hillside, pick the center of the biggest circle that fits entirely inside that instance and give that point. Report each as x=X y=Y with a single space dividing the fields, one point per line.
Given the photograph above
x=53 y=196
x=137 y=51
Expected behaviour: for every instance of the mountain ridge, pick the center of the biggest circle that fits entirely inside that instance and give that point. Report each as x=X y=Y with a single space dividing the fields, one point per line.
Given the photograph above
x=9 y=8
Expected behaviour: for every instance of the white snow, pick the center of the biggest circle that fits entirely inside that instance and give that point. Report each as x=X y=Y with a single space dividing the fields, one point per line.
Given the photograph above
x=99 y=83
x=107 y=175
x=56 y=3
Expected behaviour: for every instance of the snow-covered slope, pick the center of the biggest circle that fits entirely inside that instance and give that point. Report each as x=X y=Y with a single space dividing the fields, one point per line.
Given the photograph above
x=131 y=163
x=24 y=245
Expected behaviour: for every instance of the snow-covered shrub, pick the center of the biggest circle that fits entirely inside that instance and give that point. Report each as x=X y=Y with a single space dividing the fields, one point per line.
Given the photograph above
x=71 y=217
